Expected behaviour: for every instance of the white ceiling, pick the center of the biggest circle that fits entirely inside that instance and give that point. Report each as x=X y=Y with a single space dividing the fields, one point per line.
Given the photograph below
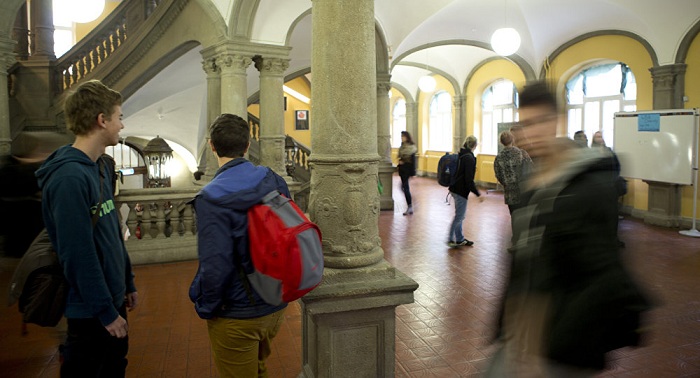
x=450 y=37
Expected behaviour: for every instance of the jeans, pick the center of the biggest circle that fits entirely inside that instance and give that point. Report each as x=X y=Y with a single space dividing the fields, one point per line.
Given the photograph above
x=405 y=188
x=90 y=351
x=456 y=234
x=241 y=346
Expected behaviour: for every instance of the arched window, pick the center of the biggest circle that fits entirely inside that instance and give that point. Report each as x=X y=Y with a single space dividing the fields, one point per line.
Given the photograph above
x=595 y=94
x=440 y=126
x=398 y=122
x=498 y=105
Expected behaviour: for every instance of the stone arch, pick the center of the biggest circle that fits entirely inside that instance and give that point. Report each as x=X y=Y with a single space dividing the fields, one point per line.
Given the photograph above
x=242 y=17
x=647 y=46
x=8 y=13
x=687 y=40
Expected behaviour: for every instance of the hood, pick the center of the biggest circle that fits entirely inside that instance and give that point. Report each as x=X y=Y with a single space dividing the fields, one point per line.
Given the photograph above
x=239 y=184
x=63 y=155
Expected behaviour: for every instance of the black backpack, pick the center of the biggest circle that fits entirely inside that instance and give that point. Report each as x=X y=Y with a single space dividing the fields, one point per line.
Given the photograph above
x=447 y=169
x=38 y=284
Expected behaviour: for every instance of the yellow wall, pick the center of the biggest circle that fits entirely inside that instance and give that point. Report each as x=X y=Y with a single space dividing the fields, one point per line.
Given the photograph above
x=617 y=48
x=480 y=80
x=303 y=136
x=692 y=90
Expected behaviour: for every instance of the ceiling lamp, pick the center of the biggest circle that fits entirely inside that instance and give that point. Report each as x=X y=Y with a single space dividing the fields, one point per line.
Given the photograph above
x=427 y=83
x=505 y=41
x=80 y=11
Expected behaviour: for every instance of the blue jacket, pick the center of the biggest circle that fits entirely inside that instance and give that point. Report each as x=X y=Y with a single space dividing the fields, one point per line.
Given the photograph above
x=94 y=259
x=222 y=236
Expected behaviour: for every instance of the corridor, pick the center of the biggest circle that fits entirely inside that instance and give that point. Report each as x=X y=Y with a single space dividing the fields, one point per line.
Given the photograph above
x=445 y=333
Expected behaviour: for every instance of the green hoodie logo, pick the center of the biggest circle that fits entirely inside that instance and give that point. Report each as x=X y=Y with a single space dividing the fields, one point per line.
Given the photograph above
x=106 y=208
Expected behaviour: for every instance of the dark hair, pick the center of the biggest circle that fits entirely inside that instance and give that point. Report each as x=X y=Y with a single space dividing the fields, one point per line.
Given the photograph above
x=409 y=140
x=537 y=93
x=230 y=135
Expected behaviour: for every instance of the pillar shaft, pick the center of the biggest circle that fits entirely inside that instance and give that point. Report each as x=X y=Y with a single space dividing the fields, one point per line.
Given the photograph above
x=412 y=119
x=344 y=200
x=272 y=134
x=460 y=128
x=234 y=84
x=6 y=58
x=20 y=33
x=208 y=162
x=386 y=169
x=664 y=199
x=42 y=30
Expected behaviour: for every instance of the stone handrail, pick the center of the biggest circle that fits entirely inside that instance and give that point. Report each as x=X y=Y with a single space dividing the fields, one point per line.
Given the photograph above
x=158 y=213
x=100 y=43
x=254 y=150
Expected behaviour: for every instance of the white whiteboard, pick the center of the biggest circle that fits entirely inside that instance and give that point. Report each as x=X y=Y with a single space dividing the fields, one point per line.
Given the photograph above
x=657 y=145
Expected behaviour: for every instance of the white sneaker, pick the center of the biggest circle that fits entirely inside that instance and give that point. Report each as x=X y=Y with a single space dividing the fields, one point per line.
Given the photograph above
x=409 y=211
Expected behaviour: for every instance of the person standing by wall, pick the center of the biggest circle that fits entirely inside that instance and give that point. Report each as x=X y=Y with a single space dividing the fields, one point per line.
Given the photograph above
x=83 y=224
x=407 y=167
x=509 y=167
x=241 y=325
x=464 y=184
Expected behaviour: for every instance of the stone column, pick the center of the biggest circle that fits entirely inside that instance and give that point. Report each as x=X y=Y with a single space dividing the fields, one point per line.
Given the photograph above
x=272 y=134
x=234 y=85
x=669 y=86
x=20 y=33
x=460 y=127
x=348 y=322
x=208 y=163
x=42 y=30
x=7 y=57
x=412 y=118
x=386 y=168
x=664 y=201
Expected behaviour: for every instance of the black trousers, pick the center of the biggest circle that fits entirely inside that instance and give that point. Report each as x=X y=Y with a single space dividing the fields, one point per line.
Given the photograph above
x=90 y=351
x=404 y=186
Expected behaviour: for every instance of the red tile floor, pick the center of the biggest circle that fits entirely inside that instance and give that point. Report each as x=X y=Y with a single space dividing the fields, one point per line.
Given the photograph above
x=443 y=334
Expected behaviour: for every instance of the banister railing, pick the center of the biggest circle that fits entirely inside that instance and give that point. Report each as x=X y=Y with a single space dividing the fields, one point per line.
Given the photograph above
x=100 y=43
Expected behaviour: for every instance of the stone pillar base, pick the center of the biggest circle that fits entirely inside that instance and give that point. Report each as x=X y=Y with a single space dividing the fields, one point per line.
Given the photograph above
x=386 y=173
x=349 y=322
x=664 y=204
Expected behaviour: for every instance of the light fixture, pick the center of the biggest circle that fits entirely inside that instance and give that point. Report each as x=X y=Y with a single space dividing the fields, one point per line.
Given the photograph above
x=79 y=11
x=505 y=41
x=427 y=83
x=158 y=156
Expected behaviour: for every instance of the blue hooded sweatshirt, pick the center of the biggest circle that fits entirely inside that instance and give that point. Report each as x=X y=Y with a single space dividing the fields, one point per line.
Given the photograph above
x=94 y=259
x=221 y=208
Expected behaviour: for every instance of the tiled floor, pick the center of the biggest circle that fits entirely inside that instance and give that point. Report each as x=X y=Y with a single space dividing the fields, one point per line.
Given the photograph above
x=443 y=334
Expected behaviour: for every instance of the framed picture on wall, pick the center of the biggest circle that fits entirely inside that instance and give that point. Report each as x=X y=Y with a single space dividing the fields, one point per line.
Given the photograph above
x=302 y=119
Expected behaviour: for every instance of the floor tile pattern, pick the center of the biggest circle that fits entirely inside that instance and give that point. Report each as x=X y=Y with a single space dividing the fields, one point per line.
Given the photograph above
x=444 y=333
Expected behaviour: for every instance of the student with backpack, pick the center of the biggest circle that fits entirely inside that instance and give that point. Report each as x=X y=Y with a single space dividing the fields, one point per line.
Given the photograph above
x=407 y=167
x=241 y=324
x=83 y=226
x=462 y=185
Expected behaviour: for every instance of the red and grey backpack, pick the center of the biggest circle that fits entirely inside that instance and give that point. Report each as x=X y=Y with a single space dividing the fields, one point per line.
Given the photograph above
x=285 y=248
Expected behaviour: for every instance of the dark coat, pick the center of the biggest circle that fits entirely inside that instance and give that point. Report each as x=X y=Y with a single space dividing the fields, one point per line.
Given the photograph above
x=569 y=255
x=466 y=170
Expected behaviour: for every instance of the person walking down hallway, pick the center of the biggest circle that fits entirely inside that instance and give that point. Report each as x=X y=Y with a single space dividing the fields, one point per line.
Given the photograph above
x=509 y=167
x=407 y=167
x=464 y=184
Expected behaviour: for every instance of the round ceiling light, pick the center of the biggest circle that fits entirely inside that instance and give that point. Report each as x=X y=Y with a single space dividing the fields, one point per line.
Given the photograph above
x=505 y=41
x=79 y=11
x=427 y=83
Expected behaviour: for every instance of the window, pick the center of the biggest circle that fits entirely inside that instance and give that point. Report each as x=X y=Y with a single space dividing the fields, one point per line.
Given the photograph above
x=440 y=126
x=125 y=156
x=594 y=96
x=498 y=105
x=398 y=122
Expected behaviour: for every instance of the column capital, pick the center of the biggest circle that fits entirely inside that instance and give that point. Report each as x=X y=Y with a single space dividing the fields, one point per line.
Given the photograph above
x=669 y=85
x=236 y=63
x=271 y=66
x=383 y=87
x=210 y=67
x=459 y=100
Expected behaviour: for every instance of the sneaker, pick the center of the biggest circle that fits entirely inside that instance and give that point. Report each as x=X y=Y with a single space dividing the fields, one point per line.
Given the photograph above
x=409 y=211
x=466 y=242
x=452 y=244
